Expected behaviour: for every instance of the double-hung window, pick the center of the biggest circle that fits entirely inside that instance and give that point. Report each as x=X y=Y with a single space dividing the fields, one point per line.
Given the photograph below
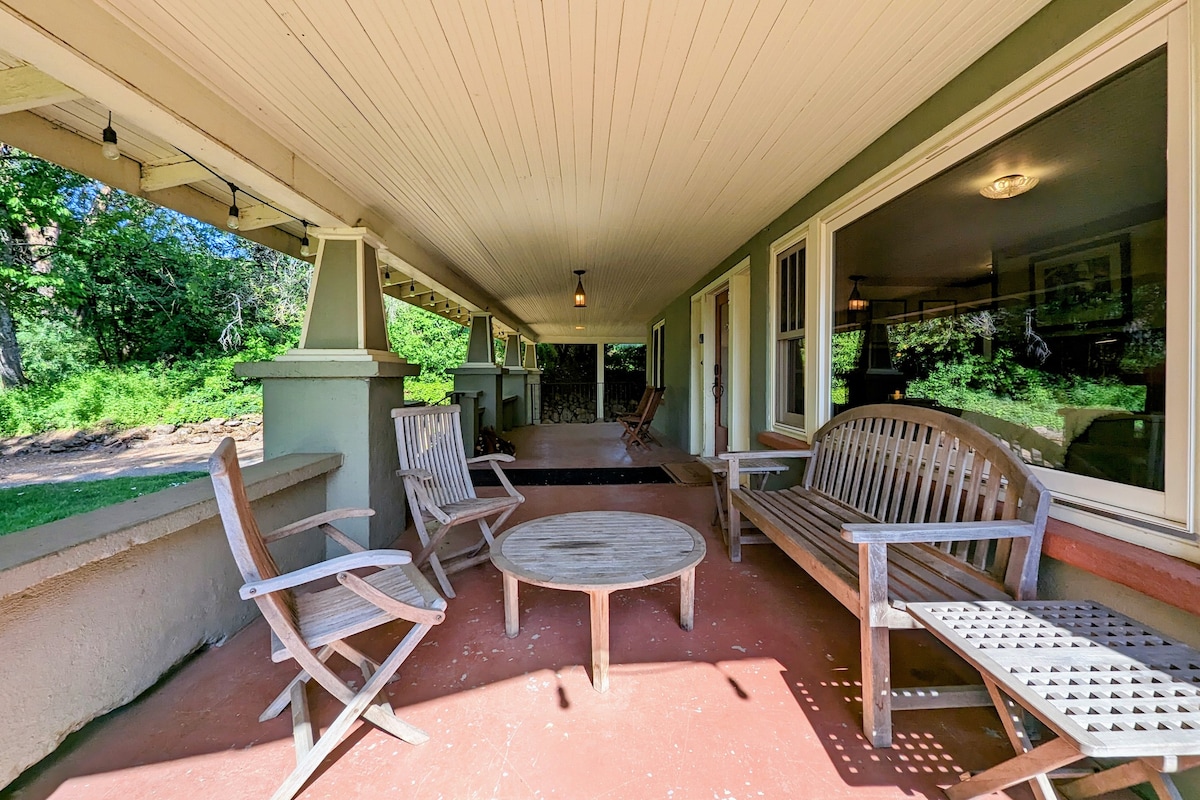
x=789 y=337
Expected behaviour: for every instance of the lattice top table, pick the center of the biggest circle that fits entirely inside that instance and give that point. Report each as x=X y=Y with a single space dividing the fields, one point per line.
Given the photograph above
x=1112 y=685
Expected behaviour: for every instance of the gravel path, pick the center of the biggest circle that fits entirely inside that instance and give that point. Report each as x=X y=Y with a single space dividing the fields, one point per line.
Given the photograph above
x=148 y=457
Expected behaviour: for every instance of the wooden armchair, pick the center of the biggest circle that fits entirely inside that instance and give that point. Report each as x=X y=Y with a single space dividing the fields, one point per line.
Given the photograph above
x=312 y=626
x=637 y=426
x=437 y=482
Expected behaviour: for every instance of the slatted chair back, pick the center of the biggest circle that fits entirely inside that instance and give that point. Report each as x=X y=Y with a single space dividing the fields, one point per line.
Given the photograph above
x=656 y=396
x=641 y=406
x=250 y=552
x=907 y=464
x=430 y=438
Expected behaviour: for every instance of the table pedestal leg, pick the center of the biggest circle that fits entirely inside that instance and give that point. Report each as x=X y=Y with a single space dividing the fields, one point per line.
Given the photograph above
x=687 y=599
x=599 y=640
x=512 y=614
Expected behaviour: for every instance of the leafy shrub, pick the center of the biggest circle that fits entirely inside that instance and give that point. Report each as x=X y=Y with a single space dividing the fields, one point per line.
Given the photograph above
x=430 y=392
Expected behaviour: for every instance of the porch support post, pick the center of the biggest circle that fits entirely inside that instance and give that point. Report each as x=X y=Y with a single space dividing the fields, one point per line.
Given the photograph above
x=600 y=382
x=335 y=392
x=514 y=383
x=480 y=376
x=533 y=386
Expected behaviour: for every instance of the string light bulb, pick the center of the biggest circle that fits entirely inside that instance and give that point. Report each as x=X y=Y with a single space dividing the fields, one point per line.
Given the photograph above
x=305 y=247
x=235 y=216
x=109 y=147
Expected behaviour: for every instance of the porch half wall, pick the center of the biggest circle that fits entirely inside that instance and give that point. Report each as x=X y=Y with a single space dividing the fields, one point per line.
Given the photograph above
x=96 y=608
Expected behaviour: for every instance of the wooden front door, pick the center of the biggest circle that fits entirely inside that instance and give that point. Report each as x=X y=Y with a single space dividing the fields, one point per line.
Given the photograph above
x=720 y=366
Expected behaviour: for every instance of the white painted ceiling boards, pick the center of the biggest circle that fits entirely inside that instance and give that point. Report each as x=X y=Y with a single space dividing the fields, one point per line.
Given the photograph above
x=521 y=140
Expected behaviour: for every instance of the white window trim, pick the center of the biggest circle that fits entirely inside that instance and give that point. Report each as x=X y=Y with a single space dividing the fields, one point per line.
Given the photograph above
x=797 y=235
x=1137 y=29
x=657 y=375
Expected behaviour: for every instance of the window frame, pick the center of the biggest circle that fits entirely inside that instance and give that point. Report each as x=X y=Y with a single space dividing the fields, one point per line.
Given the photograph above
x=789 y=419
x=657 y=354
x=795 y=238
x=1164 y=521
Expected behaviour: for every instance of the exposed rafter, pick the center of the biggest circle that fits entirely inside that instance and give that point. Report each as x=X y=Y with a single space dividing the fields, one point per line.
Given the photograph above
x=168 y=172
x=23 y=88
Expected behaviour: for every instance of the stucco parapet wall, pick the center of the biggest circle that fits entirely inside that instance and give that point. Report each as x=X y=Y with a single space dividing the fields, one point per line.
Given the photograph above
x=326 y=369
x=38 y=554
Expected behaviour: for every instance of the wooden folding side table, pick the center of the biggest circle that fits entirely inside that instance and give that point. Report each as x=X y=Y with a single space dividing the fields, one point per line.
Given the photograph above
x=763 y=468
x=1107 y=685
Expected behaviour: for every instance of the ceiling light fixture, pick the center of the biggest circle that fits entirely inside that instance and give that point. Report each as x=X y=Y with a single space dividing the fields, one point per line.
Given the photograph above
x=580 y=295
x=1008 y=186
x=109 y=148
x=856 y=301
x=235 y=216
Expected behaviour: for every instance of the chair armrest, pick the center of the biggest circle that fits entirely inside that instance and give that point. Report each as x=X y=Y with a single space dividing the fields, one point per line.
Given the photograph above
x=397 y=608
x=419 y=474
x=897 y=533
x=316 y=521
x=505 y=457
x=367 y=558
x=419 y=478
x=749 y=455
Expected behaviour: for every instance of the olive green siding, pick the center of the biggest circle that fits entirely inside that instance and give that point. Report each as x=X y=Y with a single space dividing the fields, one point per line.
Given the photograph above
x=1045 y=33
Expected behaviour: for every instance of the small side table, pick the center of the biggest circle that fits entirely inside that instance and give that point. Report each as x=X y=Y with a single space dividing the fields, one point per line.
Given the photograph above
x=1107 y=685
x=719 y=467
x=598 y=553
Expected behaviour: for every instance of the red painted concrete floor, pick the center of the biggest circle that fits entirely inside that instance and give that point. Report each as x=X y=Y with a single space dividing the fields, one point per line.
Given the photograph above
x=760 y=700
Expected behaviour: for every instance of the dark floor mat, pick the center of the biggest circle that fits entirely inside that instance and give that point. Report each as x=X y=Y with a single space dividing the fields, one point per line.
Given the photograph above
x=572 y=477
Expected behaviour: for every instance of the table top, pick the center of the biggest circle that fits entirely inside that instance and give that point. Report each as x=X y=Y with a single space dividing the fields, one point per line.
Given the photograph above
x=720 y=466
x=1112 y=685
x=598 y=550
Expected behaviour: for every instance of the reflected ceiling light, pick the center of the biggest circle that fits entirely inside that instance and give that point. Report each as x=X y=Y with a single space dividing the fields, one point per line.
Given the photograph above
x=580 y=295
x=1008 y=186
x=109 y=148
x=578 y=327
x=856 y=302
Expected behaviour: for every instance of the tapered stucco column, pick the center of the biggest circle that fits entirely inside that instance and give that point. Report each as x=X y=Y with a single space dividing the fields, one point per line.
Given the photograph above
x=335 y=392
x=480 y=375
x=514 y=382
x=533 y=386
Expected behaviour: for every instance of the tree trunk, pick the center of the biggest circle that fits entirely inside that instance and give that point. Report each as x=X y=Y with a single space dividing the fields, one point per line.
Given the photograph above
x=11 y=372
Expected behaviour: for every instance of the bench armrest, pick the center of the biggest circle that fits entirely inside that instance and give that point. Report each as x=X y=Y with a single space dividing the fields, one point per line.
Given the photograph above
x=505 y=457
x=749 y=455
x=367 y=558
x=897 y=533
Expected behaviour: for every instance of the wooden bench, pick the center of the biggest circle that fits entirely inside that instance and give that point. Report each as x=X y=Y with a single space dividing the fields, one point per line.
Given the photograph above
x=902 y=504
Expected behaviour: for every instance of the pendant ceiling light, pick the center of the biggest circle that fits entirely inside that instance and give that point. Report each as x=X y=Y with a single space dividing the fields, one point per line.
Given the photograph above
x=1008 y=186
x=580 y=295
x=856 y=302
x=109 y=148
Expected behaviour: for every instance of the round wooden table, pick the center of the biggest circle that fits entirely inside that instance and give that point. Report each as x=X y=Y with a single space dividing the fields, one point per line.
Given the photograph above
x=598 y=552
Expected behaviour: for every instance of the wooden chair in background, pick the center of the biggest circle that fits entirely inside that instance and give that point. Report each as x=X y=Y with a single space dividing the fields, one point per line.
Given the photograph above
x=437 y=482
x=637 y=426
x=311 y=627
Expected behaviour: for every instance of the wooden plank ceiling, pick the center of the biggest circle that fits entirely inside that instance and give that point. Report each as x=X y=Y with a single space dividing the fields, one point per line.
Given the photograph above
x=521 y=140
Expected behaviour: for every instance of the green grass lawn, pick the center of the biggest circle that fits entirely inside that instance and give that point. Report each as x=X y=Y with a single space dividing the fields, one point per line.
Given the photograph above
x=28 y=506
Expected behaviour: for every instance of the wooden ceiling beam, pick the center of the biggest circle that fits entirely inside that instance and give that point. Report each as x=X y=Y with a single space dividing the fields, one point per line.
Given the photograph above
x=23 y=88
x=174 y=171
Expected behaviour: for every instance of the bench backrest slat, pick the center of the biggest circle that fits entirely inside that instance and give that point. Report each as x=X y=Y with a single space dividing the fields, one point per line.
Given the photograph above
x=907 y=464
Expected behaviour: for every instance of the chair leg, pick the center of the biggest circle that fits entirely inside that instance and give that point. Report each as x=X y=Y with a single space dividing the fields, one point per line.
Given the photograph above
x=283 y=698
x=357 y=707
x=429 y=553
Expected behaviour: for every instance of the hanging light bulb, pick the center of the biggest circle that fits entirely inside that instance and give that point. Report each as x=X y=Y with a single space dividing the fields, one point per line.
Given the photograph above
x=856 y=302
x=305 y=248
x=387 y=273
x=580 y=295
x=109 y=148
x=235 y=216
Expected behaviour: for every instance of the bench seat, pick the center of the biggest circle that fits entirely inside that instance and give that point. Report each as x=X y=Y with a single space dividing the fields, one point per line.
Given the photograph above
x=898 y=505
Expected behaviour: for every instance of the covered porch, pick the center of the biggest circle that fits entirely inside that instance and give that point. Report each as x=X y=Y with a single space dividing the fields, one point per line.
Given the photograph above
x=759 y=700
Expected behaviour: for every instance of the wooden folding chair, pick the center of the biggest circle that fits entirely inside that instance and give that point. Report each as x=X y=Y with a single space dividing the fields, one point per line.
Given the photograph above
x=637 y=412
x=311 y=627
x=638 y=428
x=437 y=482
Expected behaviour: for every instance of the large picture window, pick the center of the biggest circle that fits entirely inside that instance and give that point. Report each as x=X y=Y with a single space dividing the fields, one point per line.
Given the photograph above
x=789 y=337
x=1025 y=288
